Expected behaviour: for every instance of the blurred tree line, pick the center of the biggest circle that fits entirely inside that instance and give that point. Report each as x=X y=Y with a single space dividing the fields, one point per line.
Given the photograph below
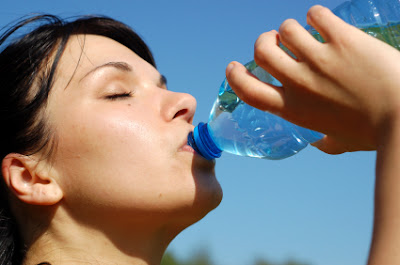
x=203 y=258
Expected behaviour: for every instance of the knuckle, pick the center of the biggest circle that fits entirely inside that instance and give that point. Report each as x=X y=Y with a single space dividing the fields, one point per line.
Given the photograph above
x=288 y=27
x=261 y=58
x=262 y=41
x=235 y=77
x=232 y=76
x=259 y=42
x=303 y=81
x=323 y=63
x=317 y=12
x=263 y=47
x=288 y=31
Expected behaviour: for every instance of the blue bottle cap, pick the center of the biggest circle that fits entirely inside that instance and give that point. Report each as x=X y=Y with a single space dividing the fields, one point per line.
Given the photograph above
x=203 y=143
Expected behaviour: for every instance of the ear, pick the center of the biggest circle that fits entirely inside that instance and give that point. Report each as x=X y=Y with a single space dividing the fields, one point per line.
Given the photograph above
x=31 y=179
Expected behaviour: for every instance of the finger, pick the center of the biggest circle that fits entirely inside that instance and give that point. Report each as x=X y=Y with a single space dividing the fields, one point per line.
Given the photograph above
x=252 y=91
x=269 y=56
x=330 y=146
x=290 y=72
x=328 y=25
x=298 y=40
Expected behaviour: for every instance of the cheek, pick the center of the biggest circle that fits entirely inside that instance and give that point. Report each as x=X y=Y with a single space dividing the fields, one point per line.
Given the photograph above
x=122 y=161
x=106 y=149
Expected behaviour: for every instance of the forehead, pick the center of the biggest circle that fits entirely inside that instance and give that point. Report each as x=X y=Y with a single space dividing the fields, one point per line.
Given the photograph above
x=85 y=52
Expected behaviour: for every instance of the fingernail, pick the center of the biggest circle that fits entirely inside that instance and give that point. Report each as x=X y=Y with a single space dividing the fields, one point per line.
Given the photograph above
x=229 y=68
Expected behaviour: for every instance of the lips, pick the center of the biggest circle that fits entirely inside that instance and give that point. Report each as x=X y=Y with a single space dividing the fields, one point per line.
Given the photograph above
x=186 y=146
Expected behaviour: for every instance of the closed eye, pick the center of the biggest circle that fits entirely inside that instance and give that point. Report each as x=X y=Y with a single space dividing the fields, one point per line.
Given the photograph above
x=119 y=96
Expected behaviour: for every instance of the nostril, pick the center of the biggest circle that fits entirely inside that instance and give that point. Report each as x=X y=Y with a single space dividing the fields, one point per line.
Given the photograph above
x=180 y=113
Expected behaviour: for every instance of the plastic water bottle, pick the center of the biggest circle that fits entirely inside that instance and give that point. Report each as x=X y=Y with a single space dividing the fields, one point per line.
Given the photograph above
x=240 y=129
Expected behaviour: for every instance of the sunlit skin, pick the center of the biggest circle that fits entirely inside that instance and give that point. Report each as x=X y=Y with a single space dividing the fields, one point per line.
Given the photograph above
x=130 y=183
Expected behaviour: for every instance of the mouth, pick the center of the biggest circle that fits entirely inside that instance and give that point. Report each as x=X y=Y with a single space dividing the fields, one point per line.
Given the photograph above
x=186 y=145
x=188 y=148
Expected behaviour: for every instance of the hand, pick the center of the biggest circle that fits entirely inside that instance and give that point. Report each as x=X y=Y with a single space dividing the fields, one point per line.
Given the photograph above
x=347 y=87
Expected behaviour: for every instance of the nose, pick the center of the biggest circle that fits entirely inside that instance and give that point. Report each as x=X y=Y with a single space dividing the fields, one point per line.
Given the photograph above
x=179 y=106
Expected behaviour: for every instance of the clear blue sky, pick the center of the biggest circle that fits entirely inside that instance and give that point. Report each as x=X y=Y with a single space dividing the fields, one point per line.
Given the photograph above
x=311 y=207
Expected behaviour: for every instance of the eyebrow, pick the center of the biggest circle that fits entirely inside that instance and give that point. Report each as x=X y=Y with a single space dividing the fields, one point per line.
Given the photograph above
x=122 y=66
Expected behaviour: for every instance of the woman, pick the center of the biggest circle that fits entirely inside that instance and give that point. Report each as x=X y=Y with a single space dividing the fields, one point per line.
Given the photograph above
x=95 y=165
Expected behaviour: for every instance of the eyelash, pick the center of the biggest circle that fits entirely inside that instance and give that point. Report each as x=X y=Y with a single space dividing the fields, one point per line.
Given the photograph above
x=119 y=96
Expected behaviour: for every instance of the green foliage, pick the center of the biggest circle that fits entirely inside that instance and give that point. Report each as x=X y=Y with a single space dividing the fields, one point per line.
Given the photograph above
x=262 y=262
x=292 y=262
x=169 y=259
x=202 y=257
x=289 y=262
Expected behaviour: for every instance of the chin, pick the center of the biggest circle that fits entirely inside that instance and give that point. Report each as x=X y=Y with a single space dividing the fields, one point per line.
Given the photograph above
x=200 y=209
x=206 y=197
x=208 y=190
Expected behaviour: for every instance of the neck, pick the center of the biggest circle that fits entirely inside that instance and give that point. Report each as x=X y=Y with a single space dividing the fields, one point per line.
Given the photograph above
x=66 y=242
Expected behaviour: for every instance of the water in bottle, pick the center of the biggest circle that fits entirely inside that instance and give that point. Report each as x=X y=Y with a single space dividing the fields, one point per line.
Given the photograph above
x=240 y=129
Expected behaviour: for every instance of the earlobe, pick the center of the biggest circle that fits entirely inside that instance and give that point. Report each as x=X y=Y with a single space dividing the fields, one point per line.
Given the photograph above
x=30 y=180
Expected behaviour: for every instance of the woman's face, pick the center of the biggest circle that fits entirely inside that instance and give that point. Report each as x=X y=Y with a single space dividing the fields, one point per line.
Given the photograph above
x=121 y=139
